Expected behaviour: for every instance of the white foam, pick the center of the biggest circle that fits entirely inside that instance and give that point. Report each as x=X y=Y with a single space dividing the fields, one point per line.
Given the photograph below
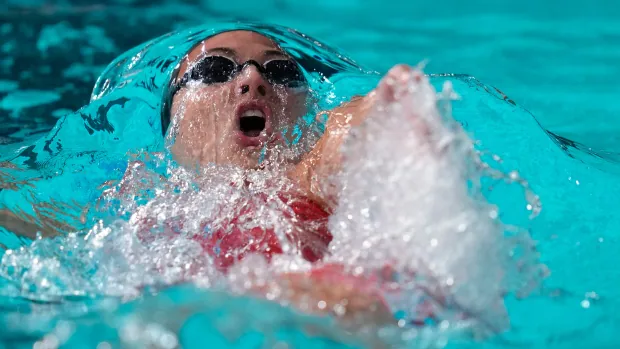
x=409 y=198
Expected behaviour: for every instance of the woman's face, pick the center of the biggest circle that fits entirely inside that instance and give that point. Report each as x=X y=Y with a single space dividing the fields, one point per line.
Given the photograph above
x=232 y=121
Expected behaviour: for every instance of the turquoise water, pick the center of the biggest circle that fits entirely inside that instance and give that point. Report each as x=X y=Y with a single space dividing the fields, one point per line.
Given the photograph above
x=557 y=62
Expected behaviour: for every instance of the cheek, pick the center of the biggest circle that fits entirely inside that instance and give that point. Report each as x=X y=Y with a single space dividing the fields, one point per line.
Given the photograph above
x=202 y=107
x=295 y=107
x=213 y=99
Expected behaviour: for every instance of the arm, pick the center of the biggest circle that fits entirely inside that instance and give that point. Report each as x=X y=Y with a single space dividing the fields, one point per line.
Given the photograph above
x=355 y=301
x=50 y=219
x=21 y=227
x=56 y=218
x=315 y=169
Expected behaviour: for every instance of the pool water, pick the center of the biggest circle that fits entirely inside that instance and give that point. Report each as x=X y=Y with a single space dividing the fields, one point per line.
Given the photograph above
x=558 y=62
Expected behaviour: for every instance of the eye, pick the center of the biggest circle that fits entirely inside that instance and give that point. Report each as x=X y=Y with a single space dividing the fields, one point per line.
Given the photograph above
x=213 y=69
x=284 y=72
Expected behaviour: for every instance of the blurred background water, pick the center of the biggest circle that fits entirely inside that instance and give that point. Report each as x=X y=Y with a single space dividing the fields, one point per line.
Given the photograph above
x=557 y=59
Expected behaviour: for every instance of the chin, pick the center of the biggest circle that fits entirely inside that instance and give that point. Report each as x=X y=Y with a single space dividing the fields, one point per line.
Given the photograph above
x=248 y=161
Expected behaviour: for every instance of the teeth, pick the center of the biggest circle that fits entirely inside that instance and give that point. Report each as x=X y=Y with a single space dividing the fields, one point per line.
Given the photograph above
x=253 y=112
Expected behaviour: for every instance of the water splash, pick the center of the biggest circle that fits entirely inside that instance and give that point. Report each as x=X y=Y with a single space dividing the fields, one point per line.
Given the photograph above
x=410 y=203
x=411 y=199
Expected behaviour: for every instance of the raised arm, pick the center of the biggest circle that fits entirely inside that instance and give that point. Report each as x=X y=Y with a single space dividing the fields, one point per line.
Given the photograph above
x=313 y=172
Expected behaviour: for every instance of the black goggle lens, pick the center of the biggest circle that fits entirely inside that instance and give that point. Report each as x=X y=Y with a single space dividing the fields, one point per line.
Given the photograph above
x=219 y=69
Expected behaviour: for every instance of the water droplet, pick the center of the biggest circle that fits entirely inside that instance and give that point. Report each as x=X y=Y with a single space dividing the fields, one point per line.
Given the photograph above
x=339 y=309
x=365 y=212
x=281 y=345
x=168 y=340
x=592 y=295
x=104 y=345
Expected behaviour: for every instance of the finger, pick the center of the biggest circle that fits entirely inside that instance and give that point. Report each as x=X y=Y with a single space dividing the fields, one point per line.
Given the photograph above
x=394 y=82
x=398 y=85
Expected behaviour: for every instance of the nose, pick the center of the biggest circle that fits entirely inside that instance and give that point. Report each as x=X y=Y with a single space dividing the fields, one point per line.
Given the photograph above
x=250 y=81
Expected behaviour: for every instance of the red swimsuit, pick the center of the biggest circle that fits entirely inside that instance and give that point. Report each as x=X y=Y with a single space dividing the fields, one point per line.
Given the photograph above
x=231 y=243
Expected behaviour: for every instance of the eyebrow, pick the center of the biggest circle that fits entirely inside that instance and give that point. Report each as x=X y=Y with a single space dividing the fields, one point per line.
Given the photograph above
x=226 y=50
x=273 y=53
x=231 y=52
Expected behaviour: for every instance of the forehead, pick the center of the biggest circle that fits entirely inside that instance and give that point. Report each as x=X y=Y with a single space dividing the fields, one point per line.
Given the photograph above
x=246 y=45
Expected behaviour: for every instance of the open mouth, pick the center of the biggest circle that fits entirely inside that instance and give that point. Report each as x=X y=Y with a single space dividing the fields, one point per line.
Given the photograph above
x=252 y=122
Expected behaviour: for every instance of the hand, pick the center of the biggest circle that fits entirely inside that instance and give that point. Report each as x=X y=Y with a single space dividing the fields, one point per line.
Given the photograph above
x=313 y=173
x=355 y=301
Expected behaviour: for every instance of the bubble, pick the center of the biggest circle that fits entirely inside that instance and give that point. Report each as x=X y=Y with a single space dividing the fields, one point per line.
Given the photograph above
x=49 y=341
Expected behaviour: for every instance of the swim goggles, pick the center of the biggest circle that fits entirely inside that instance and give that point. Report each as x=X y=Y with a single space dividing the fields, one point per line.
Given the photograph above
x=219 y=69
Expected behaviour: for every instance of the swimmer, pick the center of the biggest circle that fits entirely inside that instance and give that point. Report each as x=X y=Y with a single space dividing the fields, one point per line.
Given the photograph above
x=234 y=94
x=251 y=90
